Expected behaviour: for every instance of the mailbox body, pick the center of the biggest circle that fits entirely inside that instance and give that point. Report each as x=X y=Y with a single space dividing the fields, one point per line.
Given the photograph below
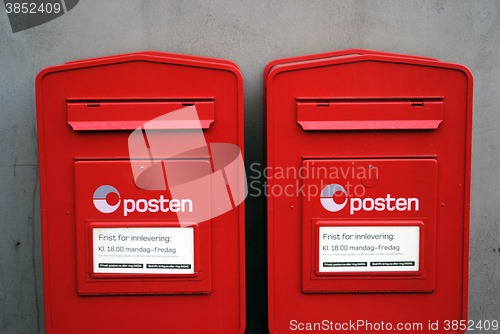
x=86 y=111
x=368 y=158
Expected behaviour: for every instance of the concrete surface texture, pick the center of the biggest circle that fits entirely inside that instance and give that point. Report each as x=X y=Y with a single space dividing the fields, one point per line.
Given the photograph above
x=250 y=33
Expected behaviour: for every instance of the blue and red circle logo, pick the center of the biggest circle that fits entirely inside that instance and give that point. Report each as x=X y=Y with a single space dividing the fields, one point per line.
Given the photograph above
x=106 y=199
x=329 y=193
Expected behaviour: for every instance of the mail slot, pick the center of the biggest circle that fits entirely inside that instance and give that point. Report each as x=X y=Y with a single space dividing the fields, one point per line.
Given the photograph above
x=368 y=164
x=142 y=187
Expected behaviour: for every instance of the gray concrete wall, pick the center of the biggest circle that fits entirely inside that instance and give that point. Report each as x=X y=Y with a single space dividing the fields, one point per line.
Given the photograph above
x=250 y=33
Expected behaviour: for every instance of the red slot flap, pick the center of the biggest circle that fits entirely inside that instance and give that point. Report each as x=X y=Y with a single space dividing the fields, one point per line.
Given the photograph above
x=370 y=114
x=129 y=115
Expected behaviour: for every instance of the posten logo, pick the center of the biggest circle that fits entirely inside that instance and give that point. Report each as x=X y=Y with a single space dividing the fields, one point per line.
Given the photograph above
x=387 y=203
x=100 y=201
x=105 y=194
x=327 y=197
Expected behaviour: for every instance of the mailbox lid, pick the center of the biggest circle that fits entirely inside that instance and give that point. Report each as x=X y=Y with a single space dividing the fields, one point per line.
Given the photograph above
x=154 y=82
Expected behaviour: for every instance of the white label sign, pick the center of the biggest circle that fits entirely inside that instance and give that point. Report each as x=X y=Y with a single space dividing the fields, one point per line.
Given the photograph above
x=144 y=250
x=368 y=248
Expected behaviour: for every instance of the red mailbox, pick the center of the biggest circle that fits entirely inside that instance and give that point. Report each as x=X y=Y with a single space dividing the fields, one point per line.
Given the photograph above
x=141 y=179
x=368 y=158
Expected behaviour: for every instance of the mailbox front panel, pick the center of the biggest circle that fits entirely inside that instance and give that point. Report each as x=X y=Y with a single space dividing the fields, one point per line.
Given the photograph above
x=135 y=239
x=368 y=210
x=364 y=234
x=141 y=247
